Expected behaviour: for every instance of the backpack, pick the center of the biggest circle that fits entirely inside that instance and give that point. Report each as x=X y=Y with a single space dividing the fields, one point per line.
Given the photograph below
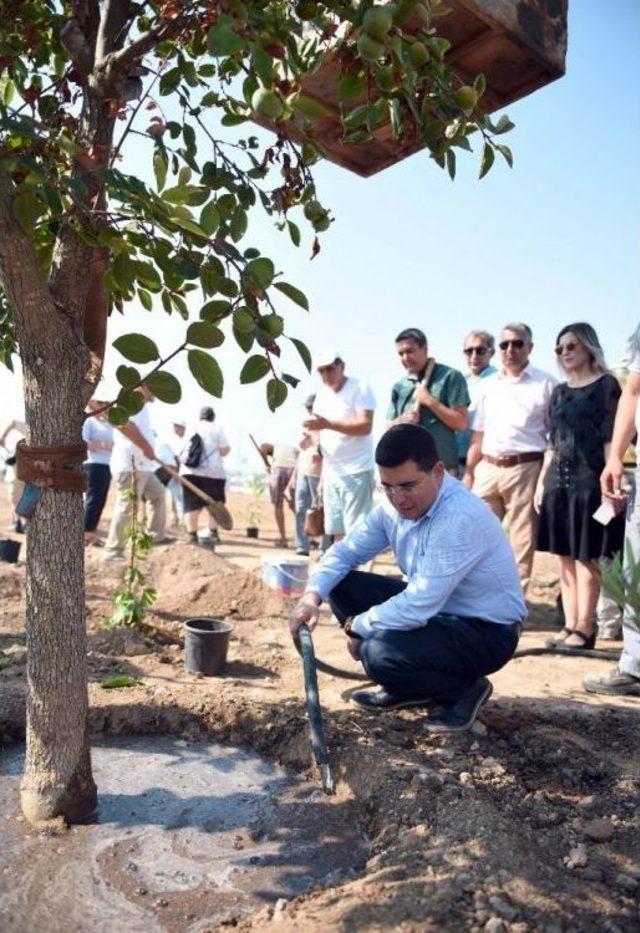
x=195 y=450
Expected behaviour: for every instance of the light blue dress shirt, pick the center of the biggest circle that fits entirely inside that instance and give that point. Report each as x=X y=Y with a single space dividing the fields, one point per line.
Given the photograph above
x=456 y=557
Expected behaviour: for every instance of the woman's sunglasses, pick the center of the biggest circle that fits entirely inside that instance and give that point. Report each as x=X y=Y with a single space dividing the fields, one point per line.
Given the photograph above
x=565 y=346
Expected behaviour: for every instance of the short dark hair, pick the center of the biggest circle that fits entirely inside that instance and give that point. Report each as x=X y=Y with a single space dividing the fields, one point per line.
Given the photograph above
x=405 y=442
x=207 y=413
x=412 y=333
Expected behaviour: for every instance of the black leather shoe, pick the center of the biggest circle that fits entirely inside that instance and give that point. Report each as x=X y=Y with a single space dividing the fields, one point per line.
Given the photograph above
x=378 y=701
x=462 y=715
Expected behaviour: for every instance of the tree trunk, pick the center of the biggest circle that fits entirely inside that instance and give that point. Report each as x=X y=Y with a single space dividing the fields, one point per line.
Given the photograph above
x=57 y=779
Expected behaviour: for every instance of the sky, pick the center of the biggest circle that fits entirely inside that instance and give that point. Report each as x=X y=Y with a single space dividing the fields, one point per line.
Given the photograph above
x=551 y=241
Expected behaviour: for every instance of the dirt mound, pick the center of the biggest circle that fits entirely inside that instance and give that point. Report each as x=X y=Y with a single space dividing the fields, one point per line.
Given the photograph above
x=193 y=581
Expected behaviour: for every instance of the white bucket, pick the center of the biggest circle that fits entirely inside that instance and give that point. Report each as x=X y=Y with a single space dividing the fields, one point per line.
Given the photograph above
x=286 y=575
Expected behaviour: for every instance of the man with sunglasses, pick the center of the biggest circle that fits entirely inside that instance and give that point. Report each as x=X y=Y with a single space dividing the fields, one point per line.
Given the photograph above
x=478 y=348
x=432 y=640
x=509 y=437
x=343 y=414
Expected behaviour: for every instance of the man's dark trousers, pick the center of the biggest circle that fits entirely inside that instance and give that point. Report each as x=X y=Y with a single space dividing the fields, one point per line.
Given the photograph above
x=438 y=661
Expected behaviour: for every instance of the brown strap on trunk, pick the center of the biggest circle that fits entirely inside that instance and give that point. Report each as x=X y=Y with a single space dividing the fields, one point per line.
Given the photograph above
x=56 y=467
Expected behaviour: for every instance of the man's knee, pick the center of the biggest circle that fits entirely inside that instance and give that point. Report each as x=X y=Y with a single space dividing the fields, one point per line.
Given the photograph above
x=382 y=661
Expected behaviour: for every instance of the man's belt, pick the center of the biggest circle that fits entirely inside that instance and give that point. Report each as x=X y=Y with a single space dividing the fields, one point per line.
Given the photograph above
x=514 y=459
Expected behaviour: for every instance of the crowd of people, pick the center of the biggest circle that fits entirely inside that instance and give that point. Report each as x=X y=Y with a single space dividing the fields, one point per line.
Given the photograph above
x=546 y=456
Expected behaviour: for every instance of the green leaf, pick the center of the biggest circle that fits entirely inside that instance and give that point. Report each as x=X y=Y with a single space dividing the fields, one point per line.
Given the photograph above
x=137 y=348
x=228 y=287
x=123 y=271
x=294 y=232
x=214 y=311
x=503 y=125
x=127 y=376
x=206 y=371
x=119 y=681
x=276 y=393
x=254 y=369
x=351 y=87
x=131 y=402
x=506 y=153
x=189 y=225
x=309 y=106
x=164 y=386
x=238 y=225
x=160 y=166
x=260 y=272
x=210 y=217
x=488 y=157
x=145 y=299
x=222 y=40
x=205 y=335
x=451 y=163
x=293 y=293
x=117 y=416
x=244 y=340
x=303 y=350
x=27 y=207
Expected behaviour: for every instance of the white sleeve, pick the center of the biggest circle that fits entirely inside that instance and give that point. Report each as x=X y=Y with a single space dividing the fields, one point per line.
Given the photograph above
x=364 y=400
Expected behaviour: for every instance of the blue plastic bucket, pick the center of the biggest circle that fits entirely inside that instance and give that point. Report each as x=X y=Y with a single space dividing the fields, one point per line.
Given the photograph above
x=286 y=575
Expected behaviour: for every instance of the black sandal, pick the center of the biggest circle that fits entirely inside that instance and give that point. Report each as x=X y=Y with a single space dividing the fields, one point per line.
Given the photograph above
x=564 y=634
x=588 y=642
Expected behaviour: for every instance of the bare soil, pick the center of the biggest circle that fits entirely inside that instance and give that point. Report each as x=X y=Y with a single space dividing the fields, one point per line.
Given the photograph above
x=529 y=822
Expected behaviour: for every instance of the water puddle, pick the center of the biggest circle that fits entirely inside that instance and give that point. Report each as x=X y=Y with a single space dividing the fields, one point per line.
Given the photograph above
x=186 y=836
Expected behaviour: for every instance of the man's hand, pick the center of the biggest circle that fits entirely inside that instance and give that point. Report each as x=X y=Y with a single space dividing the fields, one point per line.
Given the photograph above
x=315 y=423
x=408 y=417
x=537 y=498
x=423 y=396
x=467 y=479
x=353 y=647
x=306 y=612
x=611 y=482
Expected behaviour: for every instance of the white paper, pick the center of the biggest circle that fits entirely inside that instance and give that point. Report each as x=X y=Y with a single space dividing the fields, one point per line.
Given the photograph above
x=604 y=513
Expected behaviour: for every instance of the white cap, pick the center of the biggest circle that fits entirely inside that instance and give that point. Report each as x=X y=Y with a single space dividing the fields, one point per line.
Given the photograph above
x=179 y=421
x=326 y=356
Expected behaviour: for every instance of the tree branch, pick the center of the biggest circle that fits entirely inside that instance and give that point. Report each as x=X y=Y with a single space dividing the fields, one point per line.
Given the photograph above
x=129 y=56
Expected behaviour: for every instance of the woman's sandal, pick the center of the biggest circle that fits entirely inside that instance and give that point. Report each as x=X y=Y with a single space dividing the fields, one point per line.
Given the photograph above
x=564 y=634
x=588 y=641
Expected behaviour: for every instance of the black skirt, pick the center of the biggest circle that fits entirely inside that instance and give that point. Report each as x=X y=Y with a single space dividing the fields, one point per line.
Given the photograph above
x=566 y=526
x=212 y=487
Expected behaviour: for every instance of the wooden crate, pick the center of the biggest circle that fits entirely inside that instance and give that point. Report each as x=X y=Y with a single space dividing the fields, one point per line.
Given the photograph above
x=519 y=46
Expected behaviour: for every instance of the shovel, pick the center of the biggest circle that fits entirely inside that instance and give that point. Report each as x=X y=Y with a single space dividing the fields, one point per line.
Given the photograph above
x=217 y=510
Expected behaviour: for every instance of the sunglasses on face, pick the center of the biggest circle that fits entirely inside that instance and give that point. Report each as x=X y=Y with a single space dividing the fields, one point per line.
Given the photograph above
x=481 y=351
x=565 y=346
x=516 y=344
x=326 y=369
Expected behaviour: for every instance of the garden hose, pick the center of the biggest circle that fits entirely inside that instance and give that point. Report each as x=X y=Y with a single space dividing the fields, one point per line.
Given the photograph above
x=304 y=644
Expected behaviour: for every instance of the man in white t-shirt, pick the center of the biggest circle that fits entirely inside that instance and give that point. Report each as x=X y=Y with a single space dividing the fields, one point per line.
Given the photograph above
x=201 y=463
x=624 y=680
x=343 y=414
x=133 y=452
x=509 y=438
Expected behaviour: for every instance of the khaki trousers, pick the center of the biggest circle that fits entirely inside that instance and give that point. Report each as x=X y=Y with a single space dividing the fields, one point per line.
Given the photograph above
x=508 y=491
x=148 y=486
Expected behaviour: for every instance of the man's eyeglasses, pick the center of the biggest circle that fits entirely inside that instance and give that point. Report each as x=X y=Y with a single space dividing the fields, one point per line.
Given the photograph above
x=406 y=488
x=565 y=346
x=516 y=344
x=481 y=351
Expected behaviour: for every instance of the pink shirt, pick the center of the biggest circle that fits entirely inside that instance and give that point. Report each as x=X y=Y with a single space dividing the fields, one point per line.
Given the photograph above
x=513 y=412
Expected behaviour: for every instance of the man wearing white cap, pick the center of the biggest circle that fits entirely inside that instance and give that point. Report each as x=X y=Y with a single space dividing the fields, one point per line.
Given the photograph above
x=343 y=414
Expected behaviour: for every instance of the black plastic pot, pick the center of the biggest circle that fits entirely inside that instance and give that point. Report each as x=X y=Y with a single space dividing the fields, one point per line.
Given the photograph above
x=9 y=550
x=206 y=643
x=252 y=531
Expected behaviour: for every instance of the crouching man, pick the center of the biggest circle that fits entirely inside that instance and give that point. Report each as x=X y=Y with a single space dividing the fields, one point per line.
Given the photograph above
x=432 y=640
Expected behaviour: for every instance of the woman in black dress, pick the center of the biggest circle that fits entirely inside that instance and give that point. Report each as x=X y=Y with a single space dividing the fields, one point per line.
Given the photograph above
x=582 y=412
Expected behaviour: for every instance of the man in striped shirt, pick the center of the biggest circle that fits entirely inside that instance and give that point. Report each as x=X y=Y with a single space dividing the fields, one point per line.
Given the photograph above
x=429 y=641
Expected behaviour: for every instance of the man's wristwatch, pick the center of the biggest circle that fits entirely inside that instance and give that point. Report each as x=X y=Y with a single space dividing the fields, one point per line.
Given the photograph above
x=348 y=628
